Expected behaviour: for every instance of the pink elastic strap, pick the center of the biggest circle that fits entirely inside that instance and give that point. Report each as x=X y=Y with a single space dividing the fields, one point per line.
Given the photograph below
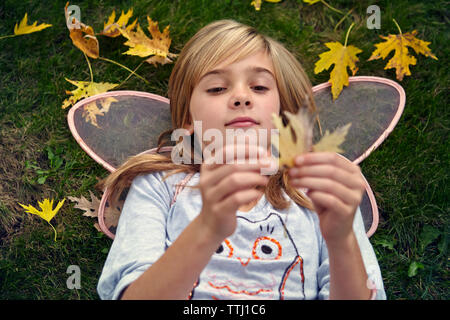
x=373 y=289
x=180 y=187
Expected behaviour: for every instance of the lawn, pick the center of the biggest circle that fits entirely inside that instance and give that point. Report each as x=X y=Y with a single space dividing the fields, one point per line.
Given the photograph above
x=40 y=159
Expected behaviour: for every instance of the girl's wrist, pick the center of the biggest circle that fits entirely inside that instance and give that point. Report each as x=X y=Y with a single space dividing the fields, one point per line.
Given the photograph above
x=206 y=232
x=342 y=244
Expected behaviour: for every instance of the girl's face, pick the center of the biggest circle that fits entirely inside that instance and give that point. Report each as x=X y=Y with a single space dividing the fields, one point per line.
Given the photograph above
x=243 y=94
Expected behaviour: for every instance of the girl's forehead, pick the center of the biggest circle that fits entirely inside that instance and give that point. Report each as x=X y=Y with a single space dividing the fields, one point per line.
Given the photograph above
x=257 y=61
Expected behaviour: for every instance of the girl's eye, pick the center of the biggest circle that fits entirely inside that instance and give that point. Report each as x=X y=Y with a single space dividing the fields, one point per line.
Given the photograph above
x=260 y=88
x=215 y=90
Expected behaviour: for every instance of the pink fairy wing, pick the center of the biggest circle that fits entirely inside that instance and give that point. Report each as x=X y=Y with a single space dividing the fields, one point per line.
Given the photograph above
x=373 y=105
x=130 y=125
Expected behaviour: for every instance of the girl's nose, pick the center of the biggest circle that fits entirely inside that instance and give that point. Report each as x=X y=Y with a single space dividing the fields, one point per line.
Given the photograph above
x=238 y=103
x=241 y=97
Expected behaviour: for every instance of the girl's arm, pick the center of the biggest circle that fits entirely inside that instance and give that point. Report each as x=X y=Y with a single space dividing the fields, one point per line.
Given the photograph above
x=173 y=276
x=348 y=277
x=224 y=189
x=335 y=187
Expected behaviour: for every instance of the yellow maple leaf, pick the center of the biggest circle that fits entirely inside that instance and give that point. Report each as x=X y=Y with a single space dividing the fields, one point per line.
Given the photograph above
x=86 y=89
x=47 y=212
x=330 y=142
x=402 y=58
x=24 y=28
x=83 y=36
x=257 y=3
x=142 y=46
x=111 y=28
x=296 y=137
x=343 y=57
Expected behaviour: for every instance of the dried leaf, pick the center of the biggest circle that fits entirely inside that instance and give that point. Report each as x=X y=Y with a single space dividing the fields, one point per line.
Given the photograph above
x=142 y=46
x=91 y=208
x=330 y=142
x=342 y=57
x=24 y=28
x=86 y=89
x=47 y=212
x=296 y=137
x=401 y=59
x=111 y=28
x=83 y=36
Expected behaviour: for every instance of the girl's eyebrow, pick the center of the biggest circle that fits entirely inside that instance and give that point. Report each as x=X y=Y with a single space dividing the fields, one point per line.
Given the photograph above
x=251 y=69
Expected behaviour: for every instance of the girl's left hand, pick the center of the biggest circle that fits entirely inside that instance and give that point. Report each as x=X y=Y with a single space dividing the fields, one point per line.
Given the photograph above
x=335 y=186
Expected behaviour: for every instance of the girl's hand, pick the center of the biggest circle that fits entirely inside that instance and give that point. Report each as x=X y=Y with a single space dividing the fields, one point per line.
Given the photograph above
x=226 y=187
x=335 y=186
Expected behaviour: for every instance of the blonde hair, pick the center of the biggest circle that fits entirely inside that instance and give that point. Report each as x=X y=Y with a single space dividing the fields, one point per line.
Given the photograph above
x=214 y=43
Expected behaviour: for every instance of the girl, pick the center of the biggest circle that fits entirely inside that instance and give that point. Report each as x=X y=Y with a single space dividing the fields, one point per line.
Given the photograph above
x=234 y=233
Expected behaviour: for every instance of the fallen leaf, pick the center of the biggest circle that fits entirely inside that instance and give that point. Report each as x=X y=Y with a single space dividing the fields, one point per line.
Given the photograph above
x=142 y=46
x=91 y=208
x=342 y=57
x=83 y=36
x=86 y=89
x=296 y=137
x=24 y=28
x=257 y=3
x=311 y=1
x=111 y=28
x=47 y=212
x=402 y=59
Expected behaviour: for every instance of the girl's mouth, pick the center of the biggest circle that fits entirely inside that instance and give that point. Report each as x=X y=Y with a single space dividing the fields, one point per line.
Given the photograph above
x=242 y=122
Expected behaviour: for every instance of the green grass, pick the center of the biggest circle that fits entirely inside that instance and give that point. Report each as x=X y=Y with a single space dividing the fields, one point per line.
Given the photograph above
x=409 y=172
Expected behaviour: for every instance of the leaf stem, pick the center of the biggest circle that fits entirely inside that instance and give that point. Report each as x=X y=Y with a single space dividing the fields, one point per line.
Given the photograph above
x=348 y=33
x=330 y=7
x=90 y=68
x=133 y=72
x=400 y=30
x=126 y=68
x=342 y=20
x=53 y=229
x=9 y=36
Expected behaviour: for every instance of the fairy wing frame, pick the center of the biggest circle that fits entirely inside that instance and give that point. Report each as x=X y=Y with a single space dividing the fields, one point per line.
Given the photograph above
x=112 y=126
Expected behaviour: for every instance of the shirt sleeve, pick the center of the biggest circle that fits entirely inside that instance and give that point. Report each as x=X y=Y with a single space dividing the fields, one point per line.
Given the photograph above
x=140 y=236
x=369 y=258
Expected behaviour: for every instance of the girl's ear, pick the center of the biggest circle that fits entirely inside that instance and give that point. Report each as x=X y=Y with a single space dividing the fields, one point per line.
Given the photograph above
x=189 y=126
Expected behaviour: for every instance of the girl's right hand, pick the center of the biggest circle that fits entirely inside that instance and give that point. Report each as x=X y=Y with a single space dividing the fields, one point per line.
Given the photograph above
x=226 y=187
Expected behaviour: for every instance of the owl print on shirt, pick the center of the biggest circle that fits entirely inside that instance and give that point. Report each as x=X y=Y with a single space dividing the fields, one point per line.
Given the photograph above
x=259 y=261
